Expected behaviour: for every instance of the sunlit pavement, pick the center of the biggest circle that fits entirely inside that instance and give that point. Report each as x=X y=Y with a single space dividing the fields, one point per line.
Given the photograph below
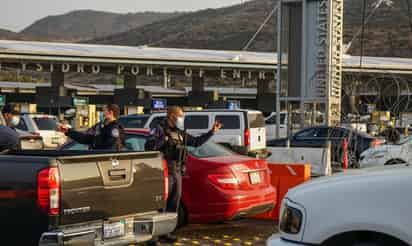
x=236 y=233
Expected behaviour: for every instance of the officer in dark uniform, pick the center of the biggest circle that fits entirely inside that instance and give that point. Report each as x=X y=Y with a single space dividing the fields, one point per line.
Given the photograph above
x=105 y=135
x=171 y=139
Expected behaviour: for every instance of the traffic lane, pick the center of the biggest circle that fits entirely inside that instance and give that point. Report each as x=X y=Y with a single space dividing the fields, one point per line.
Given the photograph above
x=234 y=233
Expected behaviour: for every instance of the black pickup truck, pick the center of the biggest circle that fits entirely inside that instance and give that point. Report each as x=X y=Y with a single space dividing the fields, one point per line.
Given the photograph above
x=82 y=198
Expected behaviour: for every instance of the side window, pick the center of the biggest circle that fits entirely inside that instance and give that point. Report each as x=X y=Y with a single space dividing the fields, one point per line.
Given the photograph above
x=22 y=125
x=309 y=133
x=199 y=122
x=156 y=121
x=229 y=122
x=323 y=133
x=271 y=120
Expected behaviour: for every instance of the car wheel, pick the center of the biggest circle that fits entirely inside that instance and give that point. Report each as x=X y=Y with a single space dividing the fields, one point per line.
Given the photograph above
x=394 y=162
x=182 y=218
x=366 y=244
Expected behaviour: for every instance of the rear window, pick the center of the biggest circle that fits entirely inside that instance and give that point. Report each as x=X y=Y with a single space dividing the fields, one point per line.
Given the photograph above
x=45 y=124
x=208 y=150
x=197 y=122
x=134 y=121
x=256 y=120
x=229 y=122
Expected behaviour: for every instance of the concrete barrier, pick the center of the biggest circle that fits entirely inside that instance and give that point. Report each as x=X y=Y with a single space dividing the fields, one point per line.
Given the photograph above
x=318 y=158
x=285 y=177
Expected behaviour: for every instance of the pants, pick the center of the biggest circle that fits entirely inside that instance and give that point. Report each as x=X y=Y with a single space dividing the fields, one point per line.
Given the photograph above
x=175 y=190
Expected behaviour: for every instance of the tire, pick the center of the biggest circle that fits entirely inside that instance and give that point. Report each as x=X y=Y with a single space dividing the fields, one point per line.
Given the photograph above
x=367 y=244
x=394 y=162
x=182 y=218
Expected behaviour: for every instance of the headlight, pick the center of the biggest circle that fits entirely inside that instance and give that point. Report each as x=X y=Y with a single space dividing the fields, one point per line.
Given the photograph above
x=291 y=220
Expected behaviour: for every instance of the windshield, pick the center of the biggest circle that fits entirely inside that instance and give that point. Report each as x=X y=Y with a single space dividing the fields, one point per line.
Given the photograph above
x=134 y=121
x=209 y=149
x=46 y=124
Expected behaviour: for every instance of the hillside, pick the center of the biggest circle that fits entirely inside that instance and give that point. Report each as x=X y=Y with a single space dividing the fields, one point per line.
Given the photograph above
x=89 y=24
x=6 y=34
x=389 y=32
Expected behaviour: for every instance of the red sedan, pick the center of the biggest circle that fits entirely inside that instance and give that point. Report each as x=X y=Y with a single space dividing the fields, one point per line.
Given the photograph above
x=219 y=185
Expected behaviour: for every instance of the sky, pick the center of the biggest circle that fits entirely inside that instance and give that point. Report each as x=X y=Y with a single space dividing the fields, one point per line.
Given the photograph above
x=15 y=15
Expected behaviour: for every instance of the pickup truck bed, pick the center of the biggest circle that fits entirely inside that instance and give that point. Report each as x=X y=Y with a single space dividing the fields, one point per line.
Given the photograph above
x=83 y=197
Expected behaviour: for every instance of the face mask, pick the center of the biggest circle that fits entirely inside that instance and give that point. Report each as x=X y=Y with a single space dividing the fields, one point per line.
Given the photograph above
x=180 y=123
x=15 y=120
x=101 y=117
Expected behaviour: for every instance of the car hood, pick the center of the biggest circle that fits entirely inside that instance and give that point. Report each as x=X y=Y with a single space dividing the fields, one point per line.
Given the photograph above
x=352 y=181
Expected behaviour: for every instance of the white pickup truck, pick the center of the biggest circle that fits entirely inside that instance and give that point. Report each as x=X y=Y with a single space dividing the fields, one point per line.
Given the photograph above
x=370 y=207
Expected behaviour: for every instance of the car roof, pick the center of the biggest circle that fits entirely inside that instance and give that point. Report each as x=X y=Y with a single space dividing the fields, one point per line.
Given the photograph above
x=363 y=134
x=216 y=110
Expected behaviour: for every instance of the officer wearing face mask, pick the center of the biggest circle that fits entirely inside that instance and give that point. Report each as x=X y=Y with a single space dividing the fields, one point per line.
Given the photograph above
x=108 y=134
x=9 y=139
x=170 y=138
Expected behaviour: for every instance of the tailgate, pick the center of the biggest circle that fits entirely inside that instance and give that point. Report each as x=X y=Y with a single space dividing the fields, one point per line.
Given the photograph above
x=110 y=185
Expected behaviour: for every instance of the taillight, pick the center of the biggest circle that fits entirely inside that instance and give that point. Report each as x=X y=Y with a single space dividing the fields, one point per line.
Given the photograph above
x=165 y=180
x=35 y=133
x=376 y=142
x=48 y=191
x=224 y=181
x=247 y=137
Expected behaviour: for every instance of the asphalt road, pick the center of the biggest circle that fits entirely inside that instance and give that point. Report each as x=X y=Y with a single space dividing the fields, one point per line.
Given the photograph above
x=235 y=233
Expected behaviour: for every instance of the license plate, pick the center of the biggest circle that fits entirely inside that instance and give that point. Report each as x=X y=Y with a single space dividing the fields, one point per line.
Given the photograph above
x=114 y=230
x=255 y=178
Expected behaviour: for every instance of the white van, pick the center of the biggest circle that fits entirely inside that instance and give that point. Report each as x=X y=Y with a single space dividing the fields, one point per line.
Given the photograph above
x=271 y=124
x=241 y=128
x=43 y=125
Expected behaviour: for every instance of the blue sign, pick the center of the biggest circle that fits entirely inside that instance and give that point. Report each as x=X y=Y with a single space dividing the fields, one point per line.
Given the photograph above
x=159 y=104
x=232 y=105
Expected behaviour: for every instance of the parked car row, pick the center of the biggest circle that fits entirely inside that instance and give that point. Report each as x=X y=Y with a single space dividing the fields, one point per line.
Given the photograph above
x=316 y=137
x=236 y=185
x=242 y=129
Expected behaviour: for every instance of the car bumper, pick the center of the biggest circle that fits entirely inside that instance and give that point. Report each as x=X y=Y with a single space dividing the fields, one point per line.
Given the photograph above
x=275 y=240
x=137 y=230
x=236 y=207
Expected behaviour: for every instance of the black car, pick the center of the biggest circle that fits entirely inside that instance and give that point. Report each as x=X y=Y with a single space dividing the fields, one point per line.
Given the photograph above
x=319 y=136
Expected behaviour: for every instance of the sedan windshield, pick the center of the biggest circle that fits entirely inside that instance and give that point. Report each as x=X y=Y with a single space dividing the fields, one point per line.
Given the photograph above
x=209 y=149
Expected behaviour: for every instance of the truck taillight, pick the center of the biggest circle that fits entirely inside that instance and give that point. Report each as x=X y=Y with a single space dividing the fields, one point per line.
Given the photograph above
x=225 y=181
x=165 y=180
x=247 y=137
x=48 y=191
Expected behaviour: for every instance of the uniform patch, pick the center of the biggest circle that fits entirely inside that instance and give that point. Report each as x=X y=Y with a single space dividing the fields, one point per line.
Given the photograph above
x=115 y=133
